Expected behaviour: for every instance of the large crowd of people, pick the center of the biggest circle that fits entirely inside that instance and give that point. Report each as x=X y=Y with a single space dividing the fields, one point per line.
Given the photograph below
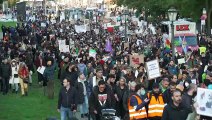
x=107 y=81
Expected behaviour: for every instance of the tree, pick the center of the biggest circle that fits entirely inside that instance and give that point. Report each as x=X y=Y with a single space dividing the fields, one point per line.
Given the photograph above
x=187 y=8
x=12 y=3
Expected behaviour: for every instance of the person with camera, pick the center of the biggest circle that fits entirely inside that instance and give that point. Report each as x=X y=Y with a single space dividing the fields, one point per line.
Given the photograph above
x=67 y=101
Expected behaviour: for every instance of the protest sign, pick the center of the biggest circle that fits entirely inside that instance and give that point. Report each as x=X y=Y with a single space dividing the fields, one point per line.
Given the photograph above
x=126 y=45
x=80 y=28
x=153 y=69
x=136 y=60
x=43 y=24
x=41 y=69
x=204 y=101
x=61 y=44
x=181 y=60
x=92 y=53
x=64 y=48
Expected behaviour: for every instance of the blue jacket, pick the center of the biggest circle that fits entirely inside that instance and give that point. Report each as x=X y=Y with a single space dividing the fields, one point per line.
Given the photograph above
x=82 y=68
x=173 y=70
x=49 y=72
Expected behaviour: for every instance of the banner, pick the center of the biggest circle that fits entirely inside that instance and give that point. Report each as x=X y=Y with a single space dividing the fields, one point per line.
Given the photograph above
x=204 y=101
x=153 y=69
x=136 y=60
x=184 y=28
x=80 y=28
x=92 y=53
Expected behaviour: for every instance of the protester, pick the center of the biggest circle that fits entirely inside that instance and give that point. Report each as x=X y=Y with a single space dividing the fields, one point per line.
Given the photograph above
x=66 y=48
x=67 y=101
x=136 y=104
x=49 y=78
x=82 y=89
x=164 y=84
x=14 y=80
x=5 y=74
x=100 y=98
x=174 y=110
x=156 y=103
x=167 y=95
x=119 y=95
x=23 y=74
x=126 y=95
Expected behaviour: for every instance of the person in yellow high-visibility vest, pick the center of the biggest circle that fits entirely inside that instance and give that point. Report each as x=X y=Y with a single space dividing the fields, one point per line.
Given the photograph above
x=136 y=105
x=156 y=103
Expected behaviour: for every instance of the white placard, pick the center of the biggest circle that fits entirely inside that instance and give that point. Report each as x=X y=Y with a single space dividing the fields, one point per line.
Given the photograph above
x=80 y=28
x=61 y=43
x=41 y=69
x=194 y=81
x=204 y=101
x=65 y=49
x=181 y=60
x=153 y=69
x=43 y=24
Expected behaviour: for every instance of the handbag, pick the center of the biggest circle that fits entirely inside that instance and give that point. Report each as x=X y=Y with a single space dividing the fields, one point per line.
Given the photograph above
x=26 y=80
x=15 y=75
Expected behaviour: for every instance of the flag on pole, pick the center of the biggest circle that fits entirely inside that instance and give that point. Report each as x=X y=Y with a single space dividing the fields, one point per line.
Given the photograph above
x=178 y=42
x=92 y=53
x=168 y=45
x=184 y=45
x=108 y=46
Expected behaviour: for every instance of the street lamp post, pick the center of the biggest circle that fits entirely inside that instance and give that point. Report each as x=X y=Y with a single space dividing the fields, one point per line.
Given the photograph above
x=125 y=30
x=172 y=13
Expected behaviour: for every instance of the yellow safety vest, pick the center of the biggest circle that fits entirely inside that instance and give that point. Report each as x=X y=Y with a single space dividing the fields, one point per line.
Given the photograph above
x=134 y=115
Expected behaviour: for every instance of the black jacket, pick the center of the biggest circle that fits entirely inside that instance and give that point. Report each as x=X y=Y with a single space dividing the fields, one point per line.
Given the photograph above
x=172 y=112
x=5 y=70
x=71 y=76
x=80 y=91
x=167 y=96
x=187 y=100
x=94 y=103
x=120 y=92
x=126 y=95
x=67 y=99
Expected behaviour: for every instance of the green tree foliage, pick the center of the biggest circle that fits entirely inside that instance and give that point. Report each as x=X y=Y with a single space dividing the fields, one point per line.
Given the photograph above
x=187 y=8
